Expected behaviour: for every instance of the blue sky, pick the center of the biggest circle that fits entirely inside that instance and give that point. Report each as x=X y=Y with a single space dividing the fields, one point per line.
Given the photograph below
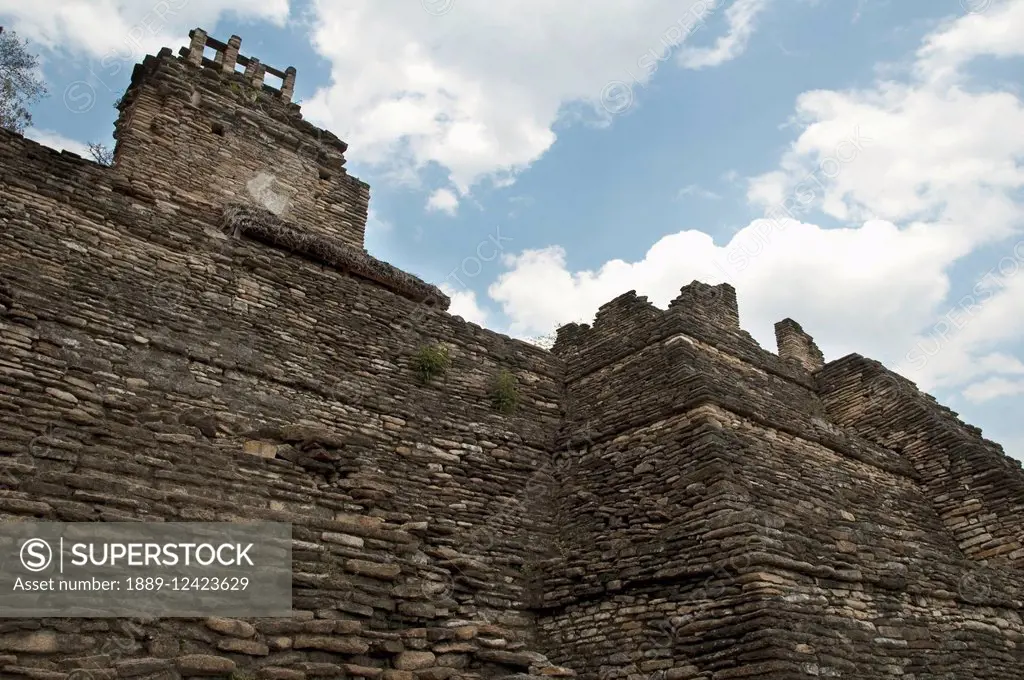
x=639 y=145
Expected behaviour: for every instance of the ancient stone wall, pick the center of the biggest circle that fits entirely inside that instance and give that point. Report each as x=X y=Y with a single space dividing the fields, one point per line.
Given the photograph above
x=797 y=346
x=717 y=519
x=153 y=368
x=184 y=339
x=778 y=558
x=651 y=518
x=701 y=312
x=976 y=489
x=859 y=546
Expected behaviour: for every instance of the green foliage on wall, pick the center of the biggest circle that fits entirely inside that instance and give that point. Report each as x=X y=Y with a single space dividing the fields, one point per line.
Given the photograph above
x=431 y=361
x=506 y=392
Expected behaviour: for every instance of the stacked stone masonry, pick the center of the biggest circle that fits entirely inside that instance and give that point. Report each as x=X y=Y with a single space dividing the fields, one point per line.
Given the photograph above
x=197 y=334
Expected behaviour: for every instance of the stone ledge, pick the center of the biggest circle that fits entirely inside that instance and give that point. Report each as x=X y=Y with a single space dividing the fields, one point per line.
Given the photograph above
x=696 y=391
x=262 y=225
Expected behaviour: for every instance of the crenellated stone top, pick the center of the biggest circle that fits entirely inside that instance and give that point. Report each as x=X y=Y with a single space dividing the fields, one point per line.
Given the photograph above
x=714 y=304
x=797 y=346
x=196 y=128
x=705 y=312
x=227 y=60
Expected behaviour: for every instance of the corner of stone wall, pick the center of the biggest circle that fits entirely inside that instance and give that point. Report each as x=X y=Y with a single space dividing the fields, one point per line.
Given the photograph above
x=974 y=486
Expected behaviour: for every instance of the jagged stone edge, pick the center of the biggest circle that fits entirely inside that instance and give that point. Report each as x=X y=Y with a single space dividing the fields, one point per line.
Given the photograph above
x=265 y=226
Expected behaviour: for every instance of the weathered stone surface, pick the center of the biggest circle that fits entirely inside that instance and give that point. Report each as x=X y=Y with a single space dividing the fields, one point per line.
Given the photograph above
x=521 y=659
x=196 y=334
x=203 y=665
x=341 y=645
x=249 y=647
x=382 y=571
x=277 y=673
x=414 y=661
x=232 y=627
x=392 y=674
x=39 y=642
x=132 y=668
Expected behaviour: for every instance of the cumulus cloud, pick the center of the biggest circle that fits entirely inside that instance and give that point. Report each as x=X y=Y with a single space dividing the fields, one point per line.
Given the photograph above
x=992 y=32
x=903 y=152
x=443 y=200
x=125 y=29
x=473 y=88
x=464 y=304
x=925 y=171
x=477 y=89
x=57 y=141
x=883 y=279
x=968 y=336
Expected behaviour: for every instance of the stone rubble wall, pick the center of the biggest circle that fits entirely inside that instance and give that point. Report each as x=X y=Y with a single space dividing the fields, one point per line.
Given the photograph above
x=630 y=323
x=197 y=334
x=797 y=346
x=683 y=535
x=648 y=525
x=861 y=547
x=152 y=368
x=713 y=496
x=714 y=305
x=683 y=363
x=976 y=489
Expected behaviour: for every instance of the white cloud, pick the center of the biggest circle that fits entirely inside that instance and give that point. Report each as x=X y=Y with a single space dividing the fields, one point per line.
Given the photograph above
x=994 y=388
x=967 y=338
x=996 y=31
x=443 y=200
x=464 y=304
x=903 y=152
x=57 y=141
x=478 y=90
x=928 y=168
x=882 y=279
x=698 y=191
x=741 y=17
x=475 y=90
x=375 y=223
x=125 y=30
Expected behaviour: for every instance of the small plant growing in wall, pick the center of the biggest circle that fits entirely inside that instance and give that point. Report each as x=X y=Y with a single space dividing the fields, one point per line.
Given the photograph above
x=101 y=154
x=431 y=361
x=506 y=392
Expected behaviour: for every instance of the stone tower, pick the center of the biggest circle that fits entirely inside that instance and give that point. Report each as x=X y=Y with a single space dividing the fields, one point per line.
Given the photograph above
x=210 y=130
